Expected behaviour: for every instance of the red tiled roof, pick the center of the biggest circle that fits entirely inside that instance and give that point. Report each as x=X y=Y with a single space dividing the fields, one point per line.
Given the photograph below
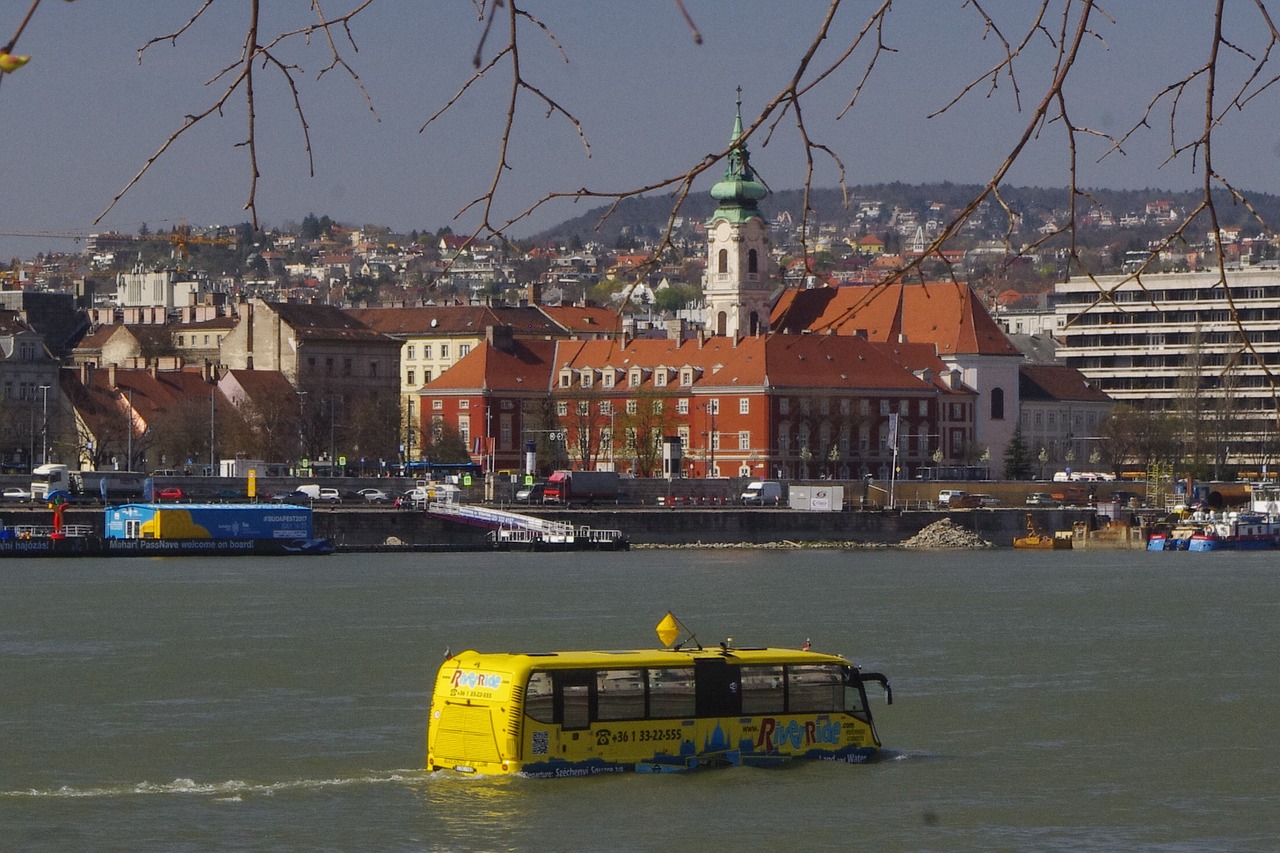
x=1057 y=382
x=946 y=314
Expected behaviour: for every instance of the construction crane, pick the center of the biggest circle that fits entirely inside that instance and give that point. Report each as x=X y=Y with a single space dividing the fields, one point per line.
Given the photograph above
x=181 y=237
x=59 y=235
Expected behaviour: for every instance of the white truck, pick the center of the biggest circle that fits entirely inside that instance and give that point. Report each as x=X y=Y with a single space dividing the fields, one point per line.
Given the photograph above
x=762 y=493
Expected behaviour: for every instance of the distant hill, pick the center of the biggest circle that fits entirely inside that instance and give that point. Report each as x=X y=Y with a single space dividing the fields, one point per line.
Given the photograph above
x=646 y=217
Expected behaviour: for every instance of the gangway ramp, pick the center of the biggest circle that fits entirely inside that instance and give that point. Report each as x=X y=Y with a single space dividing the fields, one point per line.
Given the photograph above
x=517 y=530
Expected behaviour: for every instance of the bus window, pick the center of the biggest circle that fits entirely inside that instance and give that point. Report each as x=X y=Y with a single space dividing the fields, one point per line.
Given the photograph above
x=855 y=698
x=539 y=699
x=814 y=688
x=762 y=689
x=620 y=694
x=671 y=692
x=577 y=706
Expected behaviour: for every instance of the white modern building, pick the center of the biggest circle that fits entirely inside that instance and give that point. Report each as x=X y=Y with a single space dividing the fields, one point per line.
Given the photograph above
x=1184 y=342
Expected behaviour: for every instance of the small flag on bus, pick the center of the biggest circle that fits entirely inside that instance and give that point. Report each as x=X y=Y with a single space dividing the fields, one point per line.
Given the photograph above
x=668 y=629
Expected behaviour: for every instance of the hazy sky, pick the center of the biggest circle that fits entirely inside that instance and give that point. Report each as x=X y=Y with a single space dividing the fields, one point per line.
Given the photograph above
x=84 y=115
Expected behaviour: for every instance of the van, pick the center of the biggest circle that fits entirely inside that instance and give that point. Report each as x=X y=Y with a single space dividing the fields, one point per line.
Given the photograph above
x=311 y=490
x=762 y=493
x=946 y=496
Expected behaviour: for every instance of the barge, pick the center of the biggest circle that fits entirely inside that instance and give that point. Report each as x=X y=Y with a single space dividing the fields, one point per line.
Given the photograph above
x=162 y=530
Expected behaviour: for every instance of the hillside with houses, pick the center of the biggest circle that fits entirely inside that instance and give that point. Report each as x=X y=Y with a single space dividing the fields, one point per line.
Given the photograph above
x=598 y=340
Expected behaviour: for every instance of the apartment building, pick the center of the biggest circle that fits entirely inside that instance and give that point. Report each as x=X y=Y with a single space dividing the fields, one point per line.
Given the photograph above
x=1183 y=342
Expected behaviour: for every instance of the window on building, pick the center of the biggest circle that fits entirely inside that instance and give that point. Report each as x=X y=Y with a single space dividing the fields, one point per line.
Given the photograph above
x=744 y=440
x=846 y=406
x=464 y=350
x=346 y=366
x=753 y=261
x=444 y=351
x=464 y=404
x=408 y=351
x=409 y=377
x=606 y=408
x=722 y=261
x=635 y=378
x=686 y=377
x=328 y=366
x=923 y=408
x=660 y=377
x=507 y=405
x=426 y=377
x=997 y=404
x=373 y=368
x=864 y=408
x=744 y=405
x=632 y=407
x=586 y=378
x=437 y=405
x=464 y=430
x=784 y=406
x=566 y=379
x=562 y=408
x=682 y=406
x=181 y=342
x=884 y=407
x=584 y=407
x=713 y=405
x=606 y=380
x=426 y=350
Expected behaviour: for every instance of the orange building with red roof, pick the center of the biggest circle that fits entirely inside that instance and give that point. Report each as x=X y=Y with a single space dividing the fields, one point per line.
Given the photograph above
x=947 y=315
x=781 y=406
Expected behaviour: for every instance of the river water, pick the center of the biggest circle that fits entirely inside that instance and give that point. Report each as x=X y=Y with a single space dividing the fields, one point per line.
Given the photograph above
x=1043 y=701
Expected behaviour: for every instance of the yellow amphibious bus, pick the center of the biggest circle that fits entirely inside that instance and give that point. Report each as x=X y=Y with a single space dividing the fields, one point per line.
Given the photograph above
x=582 y=713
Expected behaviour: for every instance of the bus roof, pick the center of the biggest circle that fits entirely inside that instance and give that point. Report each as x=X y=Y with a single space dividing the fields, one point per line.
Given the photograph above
x=514 y=662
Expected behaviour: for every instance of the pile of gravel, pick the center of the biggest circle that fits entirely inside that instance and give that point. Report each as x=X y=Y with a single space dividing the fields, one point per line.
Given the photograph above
x=944 y=534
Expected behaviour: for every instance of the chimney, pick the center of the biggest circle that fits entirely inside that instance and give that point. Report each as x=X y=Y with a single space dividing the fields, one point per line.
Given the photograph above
x=501 y=338
x=111 y=375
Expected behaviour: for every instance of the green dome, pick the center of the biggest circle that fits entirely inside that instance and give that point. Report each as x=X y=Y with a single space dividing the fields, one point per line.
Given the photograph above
x=738 y=191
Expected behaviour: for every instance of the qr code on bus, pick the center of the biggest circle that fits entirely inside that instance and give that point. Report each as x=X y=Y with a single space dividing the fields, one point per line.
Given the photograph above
x=541 y=743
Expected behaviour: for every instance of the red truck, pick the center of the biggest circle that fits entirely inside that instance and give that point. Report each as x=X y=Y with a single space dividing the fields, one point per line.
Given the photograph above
x=567 y=487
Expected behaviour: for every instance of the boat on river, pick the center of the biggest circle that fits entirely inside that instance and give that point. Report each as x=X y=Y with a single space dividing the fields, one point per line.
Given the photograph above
x=1227 y=531
x=171 y=530
x=1037 y=539
x=678 y=708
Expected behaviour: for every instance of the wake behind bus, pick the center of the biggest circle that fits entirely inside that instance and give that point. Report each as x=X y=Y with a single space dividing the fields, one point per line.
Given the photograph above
x=582 y=713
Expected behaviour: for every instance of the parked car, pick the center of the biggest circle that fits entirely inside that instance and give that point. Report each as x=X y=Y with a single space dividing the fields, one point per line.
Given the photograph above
x=374 y=496
x=987 y=500
x=329 y=495
x=531 y=494
x=14 y=493
x=412 y=499
x=169 y=493
x=1040 y=499
x=964 y=501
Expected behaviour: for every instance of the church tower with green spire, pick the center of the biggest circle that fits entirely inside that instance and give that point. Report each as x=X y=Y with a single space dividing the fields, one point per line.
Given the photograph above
x=737 y=283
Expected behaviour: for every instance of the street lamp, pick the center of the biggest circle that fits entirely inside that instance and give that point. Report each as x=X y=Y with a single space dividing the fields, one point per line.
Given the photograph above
x=44 y=429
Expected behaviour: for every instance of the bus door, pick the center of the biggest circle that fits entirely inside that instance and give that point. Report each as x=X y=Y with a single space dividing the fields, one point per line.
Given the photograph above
x=717 y=691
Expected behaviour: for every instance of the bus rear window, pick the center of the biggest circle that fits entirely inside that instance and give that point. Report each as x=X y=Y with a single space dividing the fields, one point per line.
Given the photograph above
x=620 y=694
x=814 y=688
x=762 y=689
x=671 y=692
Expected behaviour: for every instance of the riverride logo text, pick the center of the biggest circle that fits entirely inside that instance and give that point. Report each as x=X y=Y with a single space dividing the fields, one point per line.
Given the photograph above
x=476 y=680
x=774 y=734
